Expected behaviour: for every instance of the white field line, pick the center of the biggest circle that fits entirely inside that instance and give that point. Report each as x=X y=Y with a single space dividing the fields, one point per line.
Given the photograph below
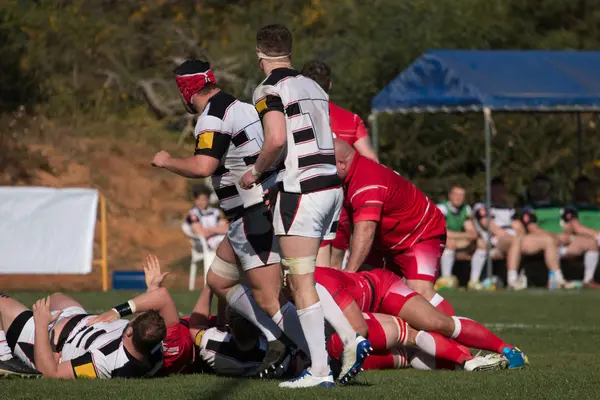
x=497 y=326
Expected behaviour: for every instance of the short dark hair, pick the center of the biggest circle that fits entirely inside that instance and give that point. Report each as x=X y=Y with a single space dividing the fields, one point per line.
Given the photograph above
x=456 y=186
x=209 y=87
x=319 y=72
x=149 y=330
x=201 y=190
x=274 y=40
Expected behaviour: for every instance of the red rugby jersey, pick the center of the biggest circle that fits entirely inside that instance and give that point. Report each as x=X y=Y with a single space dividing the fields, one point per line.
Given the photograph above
x=403 y=213
x=346 y=125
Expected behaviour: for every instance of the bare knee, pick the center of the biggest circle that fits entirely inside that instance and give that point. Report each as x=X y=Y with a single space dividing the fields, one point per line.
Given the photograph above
x=424 y=288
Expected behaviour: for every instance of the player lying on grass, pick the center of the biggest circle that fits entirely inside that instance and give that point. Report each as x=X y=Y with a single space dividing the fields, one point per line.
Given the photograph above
x=382 y=291
x=58 y=339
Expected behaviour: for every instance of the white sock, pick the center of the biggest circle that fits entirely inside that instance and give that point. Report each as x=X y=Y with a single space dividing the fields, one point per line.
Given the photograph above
x=313 y=325
x=287 y=320
x=559 y=275
x=240 y=299
x=590 y=262
x=425 y=342
x=335 y=316
x=512 y=276
x=477 y=263
x=447 y=262
x=5 y=353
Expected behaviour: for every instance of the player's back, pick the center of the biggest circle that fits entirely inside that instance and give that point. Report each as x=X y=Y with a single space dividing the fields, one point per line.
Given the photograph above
x=230 y=131
x=98 y=351
x=310 y=160
x=407 y=214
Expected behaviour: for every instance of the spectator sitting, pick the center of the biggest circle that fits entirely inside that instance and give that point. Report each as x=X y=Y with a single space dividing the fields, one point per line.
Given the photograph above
x=504 y=240
x=461 y=233
x=206 y=221
x=582 y=219
x=543 y=218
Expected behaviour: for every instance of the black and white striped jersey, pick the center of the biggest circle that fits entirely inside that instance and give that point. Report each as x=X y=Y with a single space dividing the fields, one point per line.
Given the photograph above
x=208 y=218
x=97 y=351
x=310 y=159
x=218 y=351
x=230 y=131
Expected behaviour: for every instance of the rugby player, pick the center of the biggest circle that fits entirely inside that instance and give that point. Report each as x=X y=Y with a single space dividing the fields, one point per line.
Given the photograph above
x=55 y=339
x=295 y=115
x=177 y=346
x=393 y=221
x=229 y=139
x=381 y=291
x=350 y=128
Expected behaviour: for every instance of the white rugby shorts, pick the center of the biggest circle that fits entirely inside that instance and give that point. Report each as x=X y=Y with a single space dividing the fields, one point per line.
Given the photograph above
x=313 y=215
x=253 y=239
x=21 y=333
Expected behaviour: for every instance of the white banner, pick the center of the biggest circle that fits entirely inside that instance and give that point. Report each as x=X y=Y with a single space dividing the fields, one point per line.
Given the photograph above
x=47 y=231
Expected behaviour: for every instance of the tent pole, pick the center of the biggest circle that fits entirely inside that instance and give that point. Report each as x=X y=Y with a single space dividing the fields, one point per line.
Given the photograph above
x=374 y=132
x=579 y=144
x=487 y=115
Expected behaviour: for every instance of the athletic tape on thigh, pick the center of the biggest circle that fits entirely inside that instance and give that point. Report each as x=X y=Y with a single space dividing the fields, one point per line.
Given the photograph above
x=224 y=269
x=299 y=265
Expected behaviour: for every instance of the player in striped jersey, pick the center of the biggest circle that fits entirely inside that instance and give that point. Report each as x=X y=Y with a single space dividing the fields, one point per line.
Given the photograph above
x=57 y=339
x=295 y=115
x=229 y=139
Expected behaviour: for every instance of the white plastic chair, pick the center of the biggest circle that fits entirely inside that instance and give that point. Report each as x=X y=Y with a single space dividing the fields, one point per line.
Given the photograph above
x=200 y=252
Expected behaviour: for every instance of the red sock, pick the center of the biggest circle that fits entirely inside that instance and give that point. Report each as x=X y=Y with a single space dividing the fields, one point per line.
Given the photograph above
x=441 y=347
x=473 y=334
x=335 y=347
x=376 y=333
x=442 y=305
x=379 y=361
x=390 y=359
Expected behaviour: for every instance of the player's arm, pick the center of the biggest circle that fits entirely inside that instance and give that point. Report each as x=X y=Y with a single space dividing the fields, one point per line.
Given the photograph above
x=196 y=225
x=212 y=142
x=362 y=143
x=270 y=110
x=470 y=231
x=199 y=320
x=196 y=166
x=367 y=208
x=42 y=351
x=361 y=243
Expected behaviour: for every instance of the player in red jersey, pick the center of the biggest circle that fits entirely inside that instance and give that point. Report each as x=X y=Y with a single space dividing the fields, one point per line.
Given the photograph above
x=350 y=128
x=395 y=224
x=381 y=291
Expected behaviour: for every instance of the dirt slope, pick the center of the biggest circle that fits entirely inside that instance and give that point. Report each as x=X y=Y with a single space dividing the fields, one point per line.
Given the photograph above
x=145 y=205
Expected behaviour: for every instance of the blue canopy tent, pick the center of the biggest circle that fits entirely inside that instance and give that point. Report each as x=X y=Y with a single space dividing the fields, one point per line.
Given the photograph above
x=493 y=81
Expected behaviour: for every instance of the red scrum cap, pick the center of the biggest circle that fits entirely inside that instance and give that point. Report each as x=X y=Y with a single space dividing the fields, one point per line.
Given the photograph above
x=192 y=76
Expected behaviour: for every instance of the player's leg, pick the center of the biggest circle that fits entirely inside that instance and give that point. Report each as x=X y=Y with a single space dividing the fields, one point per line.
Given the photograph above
x=546 y=243
x=324 y=254
x=477 y=263
x=589 y=248
x=420 y=314
x=341 y=242
x=14 y=317
x=419 y=265
x=223 y=279
x=60 y=301
x=448 y=258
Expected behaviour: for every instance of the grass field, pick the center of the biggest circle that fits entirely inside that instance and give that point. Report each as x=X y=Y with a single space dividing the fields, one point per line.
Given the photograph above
x=559 y=331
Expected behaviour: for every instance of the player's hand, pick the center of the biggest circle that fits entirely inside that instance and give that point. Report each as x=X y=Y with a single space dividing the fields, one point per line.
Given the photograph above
x=160 y=159
x=248 y=180
x=154 y=278
x=41 y=312
x=108 y=316
x=270 y=196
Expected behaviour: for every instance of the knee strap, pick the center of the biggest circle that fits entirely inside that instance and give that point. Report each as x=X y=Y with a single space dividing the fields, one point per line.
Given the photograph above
x=299 y=265
x=225 y=269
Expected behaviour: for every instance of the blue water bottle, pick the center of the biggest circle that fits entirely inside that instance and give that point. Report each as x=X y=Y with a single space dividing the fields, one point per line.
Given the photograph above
x=551 y=280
